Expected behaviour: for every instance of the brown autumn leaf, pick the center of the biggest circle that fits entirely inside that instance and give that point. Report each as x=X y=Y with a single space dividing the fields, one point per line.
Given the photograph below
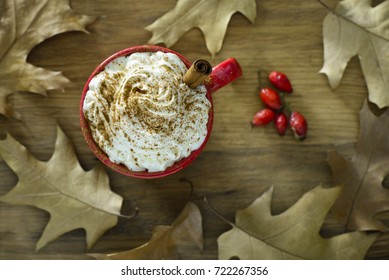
x=163 y=244
x=210 y=16
x=74 y=198
x=357 y=28
x=293 y=234
x=25 y=24
x=364 y=195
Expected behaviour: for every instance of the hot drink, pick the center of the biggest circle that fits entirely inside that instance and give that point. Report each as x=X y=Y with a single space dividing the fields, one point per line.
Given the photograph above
x=141 y=113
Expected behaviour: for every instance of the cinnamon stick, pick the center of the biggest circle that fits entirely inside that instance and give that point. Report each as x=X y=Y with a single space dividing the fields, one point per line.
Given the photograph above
x=197 y=73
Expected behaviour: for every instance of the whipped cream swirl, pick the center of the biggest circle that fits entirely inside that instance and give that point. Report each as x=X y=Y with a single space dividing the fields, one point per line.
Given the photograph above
x=141 y=113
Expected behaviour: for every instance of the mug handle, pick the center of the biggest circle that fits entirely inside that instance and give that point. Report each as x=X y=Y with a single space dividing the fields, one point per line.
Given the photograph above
x=223 y=74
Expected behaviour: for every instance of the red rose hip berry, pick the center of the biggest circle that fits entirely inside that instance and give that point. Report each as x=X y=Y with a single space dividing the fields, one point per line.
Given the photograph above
x=281 y=123
x=299 y=125
x=263 y=117
x=270 y=98
x=280 y=81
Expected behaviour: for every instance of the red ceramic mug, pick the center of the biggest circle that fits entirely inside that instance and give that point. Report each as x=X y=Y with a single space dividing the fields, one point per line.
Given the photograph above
x=221 y=75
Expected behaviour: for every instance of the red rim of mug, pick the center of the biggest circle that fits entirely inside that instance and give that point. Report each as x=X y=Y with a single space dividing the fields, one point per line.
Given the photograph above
x=120 y=168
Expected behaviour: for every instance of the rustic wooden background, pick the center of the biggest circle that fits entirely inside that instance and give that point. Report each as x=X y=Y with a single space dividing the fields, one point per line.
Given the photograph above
x=238 y=164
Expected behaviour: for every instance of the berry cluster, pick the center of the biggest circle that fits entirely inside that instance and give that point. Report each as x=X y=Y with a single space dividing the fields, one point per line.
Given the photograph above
x=277 y=110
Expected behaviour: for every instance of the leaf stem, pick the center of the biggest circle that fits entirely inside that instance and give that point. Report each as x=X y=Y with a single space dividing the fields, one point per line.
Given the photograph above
x=325 y=5
x=220 y=216
x=191 y=187
x=132 y=216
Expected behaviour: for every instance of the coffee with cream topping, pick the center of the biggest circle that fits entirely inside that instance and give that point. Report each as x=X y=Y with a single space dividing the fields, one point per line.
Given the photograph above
x=141 y=113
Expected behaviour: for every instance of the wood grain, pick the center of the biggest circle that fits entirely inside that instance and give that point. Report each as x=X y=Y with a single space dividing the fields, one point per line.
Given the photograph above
x=238 y=164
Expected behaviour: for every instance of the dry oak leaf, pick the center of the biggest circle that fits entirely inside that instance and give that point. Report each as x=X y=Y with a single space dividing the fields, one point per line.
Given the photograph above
x=293 y=234
x=23 y=25
x=357 y=28
x=74 y=198
x=364 y=195
x=165 y=239
x=210 y=16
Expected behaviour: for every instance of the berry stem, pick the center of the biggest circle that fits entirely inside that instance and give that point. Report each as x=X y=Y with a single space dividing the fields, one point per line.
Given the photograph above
x=260 y=71
x=259 y=78
x=263 y=70
x=285 y=103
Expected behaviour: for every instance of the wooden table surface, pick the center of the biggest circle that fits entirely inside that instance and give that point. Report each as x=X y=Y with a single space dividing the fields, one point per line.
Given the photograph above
x=238 y=164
